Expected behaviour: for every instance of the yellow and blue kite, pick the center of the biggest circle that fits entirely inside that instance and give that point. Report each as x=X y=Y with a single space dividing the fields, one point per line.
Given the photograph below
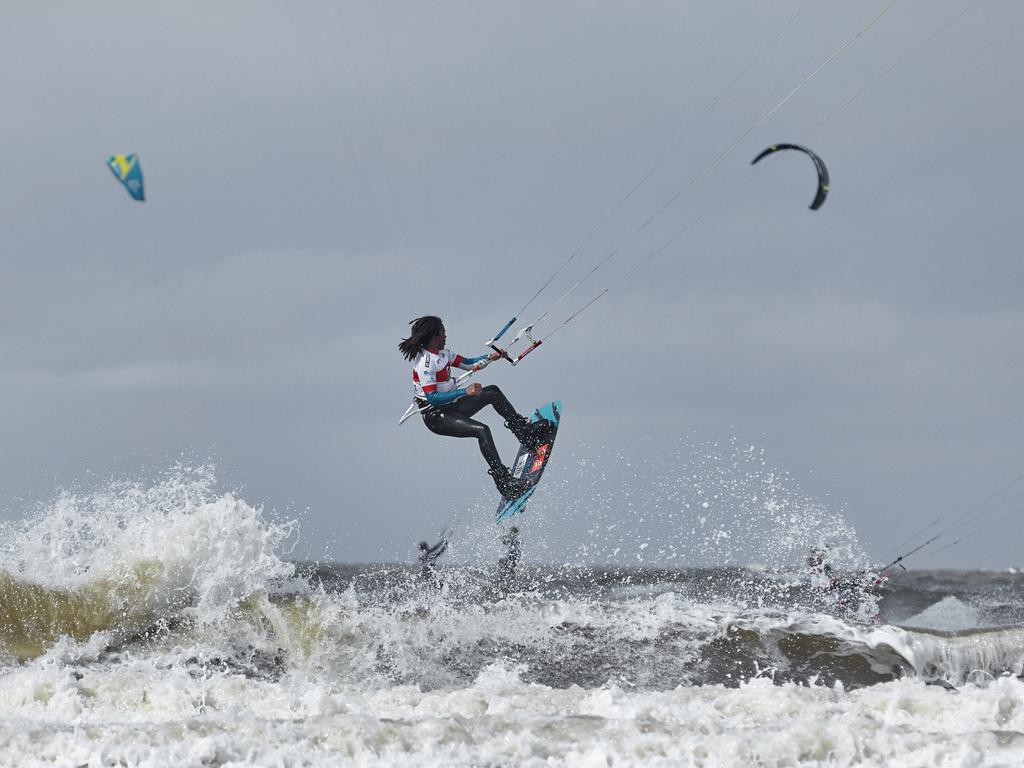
x=129 y=172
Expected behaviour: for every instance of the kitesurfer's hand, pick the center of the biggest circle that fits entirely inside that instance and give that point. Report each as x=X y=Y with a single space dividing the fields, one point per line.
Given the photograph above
x=473 y=389
x=493 y=356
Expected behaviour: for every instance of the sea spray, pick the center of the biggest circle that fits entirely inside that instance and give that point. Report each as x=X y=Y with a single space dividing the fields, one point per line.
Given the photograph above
x=239 y=657
x=128 y=555
x=700 y=503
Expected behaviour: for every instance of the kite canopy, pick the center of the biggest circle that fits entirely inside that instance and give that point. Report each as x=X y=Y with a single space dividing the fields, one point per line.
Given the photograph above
x=819 y=198
x=129 y=172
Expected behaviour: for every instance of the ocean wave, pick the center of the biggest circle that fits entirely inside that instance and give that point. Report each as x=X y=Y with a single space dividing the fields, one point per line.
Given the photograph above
x=34 y=617
x=163 y=626
x=179 y=568
x=645 y=643
x=640 y=639
x=119 y=560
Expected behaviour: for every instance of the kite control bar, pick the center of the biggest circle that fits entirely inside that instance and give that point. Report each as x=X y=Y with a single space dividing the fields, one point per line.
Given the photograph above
x=534 y=343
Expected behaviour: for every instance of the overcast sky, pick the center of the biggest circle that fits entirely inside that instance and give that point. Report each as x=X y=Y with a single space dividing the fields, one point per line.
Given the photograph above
x=319 y=173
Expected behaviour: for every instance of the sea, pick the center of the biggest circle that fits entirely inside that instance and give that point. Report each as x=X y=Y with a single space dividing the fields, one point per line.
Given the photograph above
x=168 y=625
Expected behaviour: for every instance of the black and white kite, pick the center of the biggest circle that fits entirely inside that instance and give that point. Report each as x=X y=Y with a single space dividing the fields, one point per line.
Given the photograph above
x=819 y=198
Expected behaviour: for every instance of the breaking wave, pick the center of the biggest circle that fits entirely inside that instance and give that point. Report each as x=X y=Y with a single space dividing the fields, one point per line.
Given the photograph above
x=119 y=560
x=164 y=625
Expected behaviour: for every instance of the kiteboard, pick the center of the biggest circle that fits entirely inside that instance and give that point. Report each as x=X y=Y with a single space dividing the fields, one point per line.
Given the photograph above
x=529 y=465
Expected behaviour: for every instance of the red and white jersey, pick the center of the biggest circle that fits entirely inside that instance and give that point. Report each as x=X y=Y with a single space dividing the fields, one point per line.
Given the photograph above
x=432 y=372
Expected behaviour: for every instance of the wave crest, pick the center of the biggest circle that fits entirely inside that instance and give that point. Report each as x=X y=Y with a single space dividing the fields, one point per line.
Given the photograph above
x=120 y=558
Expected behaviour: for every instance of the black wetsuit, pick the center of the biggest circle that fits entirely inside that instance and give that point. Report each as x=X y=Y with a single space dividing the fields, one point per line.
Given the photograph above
x=453 y=420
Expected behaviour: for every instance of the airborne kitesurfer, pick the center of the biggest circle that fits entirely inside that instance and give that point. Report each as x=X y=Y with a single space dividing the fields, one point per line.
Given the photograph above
x=448 y=408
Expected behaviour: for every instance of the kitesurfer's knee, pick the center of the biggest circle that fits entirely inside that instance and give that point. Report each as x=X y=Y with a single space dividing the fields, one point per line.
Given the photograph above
x=494 y=397
x=491 y=393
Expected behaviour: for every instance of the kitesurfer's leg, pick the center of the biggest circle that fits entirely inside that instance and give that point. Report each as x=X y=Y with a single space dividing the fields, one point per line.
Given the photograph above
x=529 y=434
x=489 y=395
x=450 y=423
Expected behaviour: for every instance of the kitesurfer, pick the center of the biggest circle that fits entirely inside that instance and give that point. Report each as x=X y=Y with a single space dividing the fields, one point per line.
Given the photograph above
x=448 y=408
x=847 y=593
x=510 y=561
x=819 y=567
x=429 y=555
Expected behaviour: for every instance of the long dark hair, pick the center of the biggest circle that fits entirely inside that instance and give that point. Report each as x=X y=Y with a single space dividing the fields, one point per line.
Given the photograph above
x=423 y=330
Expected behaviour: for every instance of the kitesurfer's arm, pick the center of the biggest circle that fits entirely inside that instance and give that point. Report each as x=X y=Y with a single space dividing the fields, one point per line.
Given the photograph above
x=443 y=398
x=469 y=363
x=438 y=549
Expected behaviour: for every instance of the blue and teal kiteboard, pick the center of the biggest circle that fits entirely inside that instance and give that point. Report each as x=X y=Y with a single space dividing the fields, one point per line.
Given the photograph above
x=530 y=465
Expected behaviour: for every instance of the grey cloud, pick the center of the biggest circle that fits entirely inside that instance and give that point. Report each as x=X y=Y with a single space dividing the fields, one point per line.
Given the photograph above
x=320 y=174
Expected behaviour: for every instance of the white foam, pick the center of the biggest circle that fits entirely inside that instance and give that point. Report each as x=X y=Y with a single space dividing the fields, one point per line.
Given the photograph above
x=146 y=716
x=189 y=543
